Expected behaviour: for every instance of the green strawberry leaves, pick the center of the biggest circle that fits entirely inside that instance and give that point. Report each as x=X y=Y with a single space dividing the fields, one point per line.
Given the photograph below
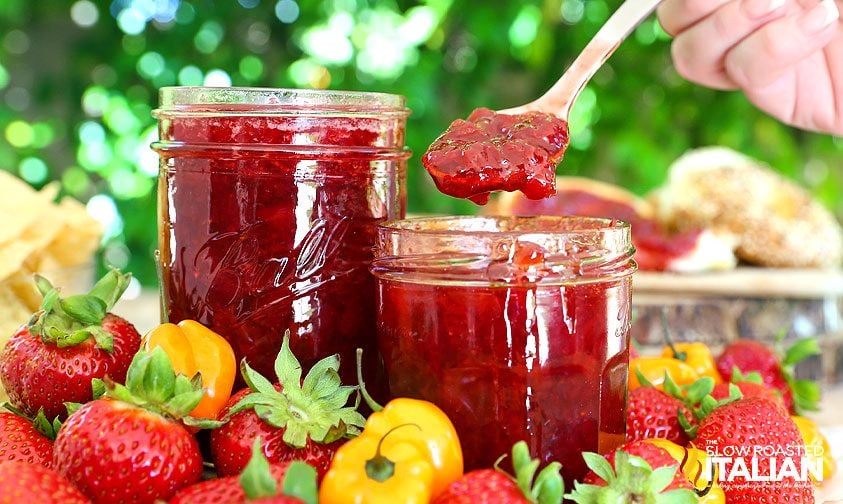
x=751 y=377
x=311 y=408
x=70 y=321
x=546 y=488
x=110 y=287
x=806 y=393
x=152 y=384
x=84 y=308
x=47 y=428
x=300 y=482
x=257 y=481
x=800 y=351
x=696 y=398
x=632 y=479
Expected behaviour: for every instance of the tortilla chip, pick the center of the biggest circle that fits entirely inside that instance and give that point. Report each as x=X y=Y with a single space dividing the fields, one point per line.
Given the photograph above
x=79 y=237
x=21 y=206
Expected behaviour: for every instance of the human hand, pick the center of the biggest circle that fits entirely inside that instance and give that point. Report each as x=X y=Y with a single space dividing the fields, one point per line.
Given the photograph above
x=785 y=55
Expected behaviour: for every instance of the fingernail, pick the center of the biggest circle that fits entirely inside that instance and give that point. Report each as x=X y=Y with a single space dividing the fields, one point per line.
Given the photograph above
x=820 y=17
x=760 y=8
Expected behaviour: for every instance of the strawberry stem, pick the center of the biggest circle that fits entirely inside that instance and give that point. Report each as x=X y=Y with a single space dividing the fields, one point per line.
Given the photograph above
x=373 y=405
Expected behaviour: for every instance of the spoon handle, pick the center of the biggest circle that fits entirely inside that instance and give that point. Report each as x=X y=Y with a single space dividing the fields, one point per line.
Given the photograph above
x=560 y=98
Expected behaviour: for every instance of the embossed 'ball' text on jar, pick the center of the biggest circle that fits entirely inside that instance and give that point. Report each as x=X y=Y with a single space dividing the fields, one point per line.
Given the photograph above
x=517 y=327
x=268 y=205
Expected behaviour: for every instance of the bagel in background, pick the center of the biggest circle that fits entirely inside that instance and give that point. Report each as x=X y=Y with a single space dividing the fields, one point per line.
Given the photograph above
x=776 y=222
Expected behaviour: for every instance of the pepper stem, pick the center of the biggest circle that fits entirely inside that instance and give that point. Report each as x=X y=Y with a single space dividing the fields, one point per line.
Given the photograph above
x=365 y=393
x=380 y=468
x=668 y=337
x=700 y=492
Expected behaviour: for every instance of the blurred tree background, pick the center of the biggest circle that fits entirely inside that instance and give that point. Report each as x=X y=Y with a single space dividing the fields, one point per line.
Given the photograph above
x=79 y=80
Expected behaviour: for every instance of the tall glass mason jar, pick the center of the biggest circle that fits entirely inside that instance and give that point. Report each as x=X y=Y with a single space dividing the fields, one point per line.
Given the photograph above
x=268 y=205
x=517 y=327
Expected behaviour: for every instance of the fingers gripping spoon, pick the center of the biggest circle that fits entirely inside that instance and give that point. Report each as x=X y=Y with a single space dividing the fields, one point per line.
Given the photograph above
x=517 y=149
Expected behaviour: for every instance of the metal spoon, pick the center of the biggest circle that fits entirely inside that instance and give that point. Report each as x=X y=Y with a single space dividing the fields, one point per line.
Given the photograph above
x=559 y=99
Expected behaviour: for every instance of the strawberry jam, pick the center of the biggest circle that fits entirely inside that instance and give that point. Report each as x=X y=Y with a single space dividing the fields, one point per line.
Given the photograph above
x=268 y=202
x=517 y=328
x=498 y=152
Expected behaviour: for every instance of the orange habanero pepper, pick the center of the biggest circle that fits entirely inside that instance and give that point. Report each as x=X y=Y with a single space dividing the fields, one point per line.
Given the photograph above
x=654 y=369
x=194 y=348
x=697 y=355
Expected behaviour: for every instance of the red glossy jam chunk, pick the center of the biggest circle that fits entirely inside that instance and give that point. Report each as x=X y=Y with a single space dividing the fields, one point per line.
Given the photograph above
x=518 y=261
x=498 y=152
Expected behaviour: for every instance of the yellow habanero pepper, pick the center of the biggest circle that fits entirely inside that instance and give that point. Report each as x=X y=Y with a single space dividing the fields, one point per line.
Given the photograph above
x=408 y=453
x=697 y=355
x=194 y=348
x=391 y=470
x=414 y=434
x=654 y=368
x=817 y=447
x=694 y=470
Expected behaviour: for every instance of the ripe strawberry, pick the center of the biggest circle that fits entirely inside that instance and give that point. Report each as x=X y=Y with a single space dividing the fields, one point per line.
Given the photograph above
x=748 y=389
x=635 y=472
x=493 y=485
x=652 y=413
x=755 y=425
x=259 y=482
x=21 y=482
x=483 y=485
x=750 y=386
x=129 y=446
x=751 y=356
x=296 y=419
x=52 y=359
x=20 y=440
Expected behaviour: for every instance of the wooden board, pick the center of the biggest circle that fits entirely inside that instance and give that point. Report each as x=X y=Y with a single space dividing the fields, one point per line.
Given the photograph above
x=744 y=281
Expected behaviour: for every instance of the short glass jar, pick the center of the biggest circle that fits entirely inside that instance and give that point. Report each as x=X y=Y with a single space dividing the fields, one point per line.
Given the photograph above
x=517 y=327
x=268 y=205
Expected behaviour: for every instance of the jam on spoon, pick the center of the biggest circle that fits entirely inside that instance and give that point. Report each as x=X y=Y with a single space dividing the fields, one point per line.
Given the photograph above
x=517 y=149
x=492 y=152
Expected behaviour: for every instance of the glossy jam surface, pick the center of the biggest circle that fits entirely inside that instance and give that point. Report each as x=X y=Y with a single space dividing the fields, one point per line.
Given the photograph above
x=498 y=152
x=513 y=357
x=268 y=223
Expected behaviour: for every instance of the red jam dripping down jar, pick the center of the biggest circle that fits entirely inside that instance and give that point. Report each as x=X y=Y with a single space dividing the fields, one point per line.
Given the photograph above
x=268 y=205
x=517 y=327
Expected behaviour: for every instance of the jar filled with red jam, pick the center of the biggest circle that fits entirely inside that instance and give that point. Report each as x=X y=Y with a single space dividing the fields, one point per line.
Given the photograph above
x=268 y=205
x=517 y=327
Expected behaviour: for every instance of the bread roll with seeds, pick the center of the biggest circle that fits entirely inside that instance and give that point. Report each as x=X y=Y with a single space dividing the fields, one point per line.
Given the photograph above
x=777 y=223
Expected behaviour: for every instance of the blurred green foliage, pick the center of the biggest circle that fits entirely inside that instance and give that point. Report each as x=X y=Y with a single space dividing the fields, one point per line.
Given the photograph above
x=79 y=80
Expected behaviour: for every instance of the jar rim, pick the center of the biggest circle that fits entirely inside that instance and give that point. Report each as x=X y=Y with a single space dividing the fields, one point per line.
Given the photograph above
x=200 y=100
x=469 y=250
x=503 y=226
